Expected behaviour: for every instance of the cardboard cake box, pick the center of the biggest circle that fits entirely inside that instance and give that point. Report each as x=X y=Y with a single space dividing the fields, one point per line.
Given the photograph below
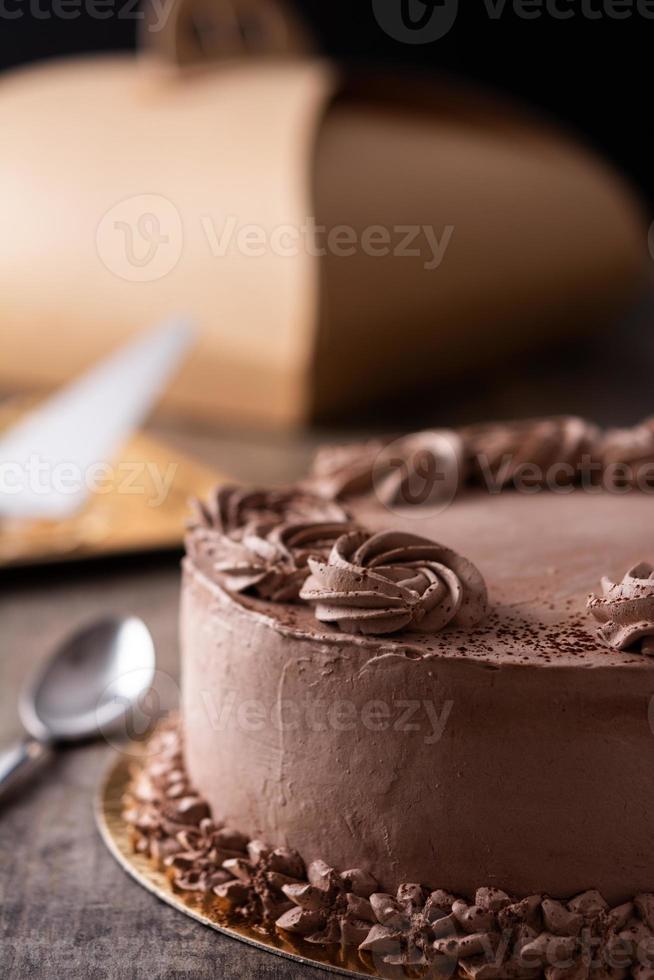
x=335 y=239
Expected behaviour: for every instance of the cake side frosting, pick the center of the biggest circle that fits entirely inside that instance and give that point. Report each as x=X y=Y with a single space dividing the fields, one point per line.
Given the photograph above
x=491 y=935
x=424 y=767
x=504 y=750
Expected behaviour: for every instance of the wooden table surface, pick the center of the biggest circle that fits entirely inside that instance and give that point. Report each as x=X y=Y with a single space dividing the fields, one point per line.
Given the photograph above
x=66 y=908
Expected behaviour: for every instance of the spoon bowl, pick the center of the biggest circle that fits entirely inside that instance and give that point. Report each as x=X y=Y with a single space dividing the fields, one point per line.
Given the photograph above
x=87 y=687
x=90 y=682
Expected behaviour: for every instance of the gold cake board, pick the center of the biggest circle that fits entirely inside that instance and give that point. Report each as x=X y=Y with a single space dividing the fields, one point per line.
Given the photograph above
x=116 y=835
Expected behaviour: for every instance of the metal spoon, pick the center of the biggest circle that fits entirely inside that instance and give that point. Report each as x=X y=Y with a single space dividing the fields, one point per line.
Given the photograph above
x=88 y=686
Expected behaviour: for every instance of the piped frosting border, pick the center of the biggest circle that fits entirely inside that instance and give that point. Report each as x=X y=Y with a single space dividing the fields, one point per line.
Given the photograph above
x=490 y=935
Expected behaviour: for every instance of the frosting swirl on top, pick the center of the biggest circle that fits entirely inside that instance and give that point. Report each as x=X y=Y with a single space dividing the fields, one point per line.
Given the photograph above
x=626 y=610
x=233 y=508
x=260 y=540
x=419 y=468
x=345 y=471
x=391 y=581
x=272 y=559
x=430 y=466
x=500 y=452
x=633 y=448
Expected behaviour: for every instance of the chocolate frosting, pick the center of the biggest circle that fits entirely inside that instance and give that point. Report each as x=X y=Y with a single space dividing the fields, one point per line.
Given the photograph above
x=429 y=466
x=233 y=508
x=632 y=446
x=272 y=559
x=488 y=935
x=626 y=610
x=391 y=581
x=531 y=690
x=345 y=471
x=422 y=468
x=501 y=451
x=260 y=541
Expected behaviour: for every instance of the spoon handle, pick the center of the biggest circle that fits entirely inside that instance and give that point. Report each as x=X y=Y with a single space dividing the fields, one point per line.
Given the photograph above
x=18 y=762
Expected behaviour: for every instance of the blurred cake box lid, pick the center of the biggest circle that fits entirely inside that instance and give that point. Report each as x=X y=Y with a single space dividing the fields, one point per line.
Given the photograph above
x=337 y=238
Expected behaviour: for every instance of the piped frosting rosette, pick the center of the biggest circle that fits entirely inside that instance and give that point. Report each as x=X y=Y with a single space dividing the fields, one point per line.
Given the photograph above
x=421 y=468
x=391 y=581
x=430 y=466
x=259 y=541
x=271 y=559
x=231 y=508
x=536 y=450
x=626 y=610
x=627 y=455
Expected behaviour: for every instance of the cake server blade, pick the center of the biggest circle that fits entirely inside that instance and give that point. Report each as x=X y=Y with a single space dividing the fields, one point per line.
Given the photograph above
x=48 y=458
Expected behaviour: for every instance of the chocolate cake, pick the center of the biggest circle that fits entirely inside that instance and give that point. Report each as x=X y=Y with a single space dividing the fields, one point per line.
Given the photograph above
x=417 y=703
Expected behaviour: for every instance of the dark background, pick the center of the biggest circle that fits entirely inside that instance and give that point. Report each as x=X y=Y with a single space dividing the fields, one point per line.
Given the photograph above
x=592 y=73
